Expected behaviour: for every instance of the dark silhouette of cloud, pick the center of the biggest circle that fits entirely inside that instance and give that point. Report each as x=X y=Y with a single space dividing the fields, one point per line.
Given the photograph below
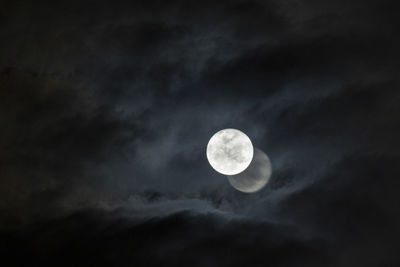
x=107 y=107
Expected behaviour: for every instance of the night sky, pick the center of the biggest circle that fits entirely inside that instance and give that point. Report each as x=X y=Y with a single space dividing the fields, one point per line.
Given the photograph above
x=106 y=109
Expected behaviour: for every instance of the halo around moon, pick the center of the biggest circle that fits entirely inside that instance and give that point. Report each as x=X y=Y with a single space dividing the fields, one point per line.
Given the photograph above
x=256 y=176
x=230 y=151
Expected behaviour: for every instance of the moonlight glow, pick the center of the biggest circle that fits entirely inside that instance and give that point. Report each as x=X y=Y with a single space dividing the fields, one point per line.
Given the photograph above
x=229 y=151
x=255 y=177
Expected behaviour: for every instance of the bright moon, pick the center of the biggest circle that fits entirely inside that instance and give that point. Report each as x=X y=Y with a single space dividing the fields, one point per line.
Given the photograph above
x=230 y=151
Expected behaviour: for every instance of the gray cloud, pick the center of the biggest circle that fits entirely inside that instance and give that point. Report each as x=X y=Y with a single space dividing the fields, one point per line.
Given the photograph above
x=109 y=107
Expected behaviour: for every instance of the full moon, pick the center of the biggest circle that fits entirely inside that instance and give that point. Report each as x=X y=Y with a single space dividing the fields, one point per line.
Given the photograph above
x=230 y=151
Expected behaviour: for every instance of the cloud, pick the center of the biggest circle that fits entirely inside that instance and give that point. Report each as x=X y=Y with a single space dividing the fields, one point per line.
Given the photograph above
x=180 y=239
x=109 y=107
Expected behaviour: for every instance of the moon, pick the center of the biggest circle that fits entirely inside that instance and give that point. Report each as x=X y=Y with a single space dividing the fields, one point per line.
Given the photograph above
x=255 y=177
x=230 y=151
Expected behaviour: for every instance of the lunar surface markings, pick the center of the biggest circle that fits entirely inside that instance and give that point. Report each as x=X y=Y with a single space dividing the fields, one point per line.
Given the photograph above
x=231 y=152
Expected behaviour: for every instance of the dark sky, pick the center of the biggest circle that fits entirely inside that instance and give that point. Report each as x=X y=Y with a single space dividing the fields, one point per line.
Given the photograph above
x=106 y=108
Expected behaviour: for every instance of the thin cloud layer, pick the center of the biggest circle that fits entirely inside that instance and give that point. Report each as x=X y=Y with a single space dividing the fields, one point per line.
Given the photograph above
x=107 y=109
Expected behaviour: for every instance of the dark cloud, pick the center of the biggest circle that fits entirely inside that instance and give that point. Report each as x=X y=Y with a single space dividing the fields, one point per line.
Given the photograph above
x=180 y=239
x=107 y=108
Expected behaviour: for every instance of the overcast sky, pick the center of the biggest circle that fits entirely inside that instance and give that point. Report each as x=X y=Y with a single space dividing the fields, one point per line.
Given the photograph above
x=106 y=109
